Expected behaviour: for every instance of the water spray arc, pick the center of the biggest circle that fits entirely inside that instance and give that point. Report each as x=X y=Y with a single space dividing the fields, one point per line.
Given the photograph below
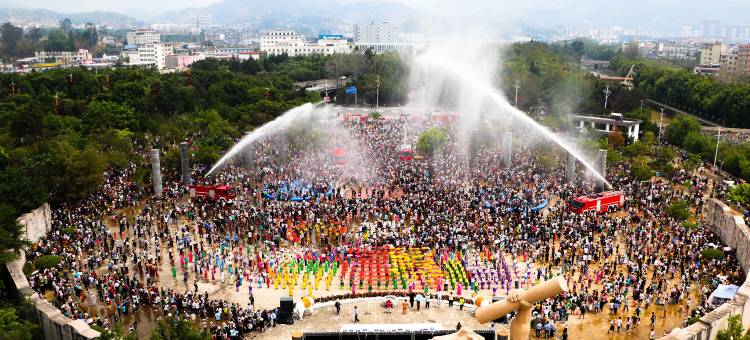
x=500 y=102
x=279 y=124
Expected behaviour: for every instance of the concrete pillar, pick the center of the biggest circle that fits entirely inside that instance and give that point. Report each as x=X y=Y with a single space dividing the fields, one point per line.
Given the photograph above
x=570 y=168
x=250 y=157
x=507 y=148
x=185 y=161
x=156 y=172
x=281 y=148
x=601 y=162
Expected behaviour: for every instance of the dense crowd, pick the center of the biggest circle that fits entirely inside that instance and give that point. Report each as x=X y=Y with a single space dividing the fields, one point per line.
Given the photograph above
x=118 y=245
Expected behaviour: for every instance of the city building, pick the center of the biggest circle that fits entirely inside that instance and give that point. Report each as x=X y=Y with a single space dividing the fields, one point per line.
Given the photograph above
x=711 y=28
x=152 y=54
x=200 y=21
x=293 y=44
x=380 y=37
x=674 y=50
x=181 y=61
x=630 y=128
x=64 y=57
x=728 y=68
x=376 y=33
x=743 y=60
x=711 y=54
x=241 y=53
x=142 y=36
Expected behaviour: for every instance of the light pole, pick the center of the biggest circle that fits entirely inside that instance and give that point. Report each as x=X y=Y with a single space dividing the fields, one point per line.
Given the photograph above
x=607 y=92
x=641 y=104
x=517 y=87
x=377 y=94
x=716 y=153
x=661 y=120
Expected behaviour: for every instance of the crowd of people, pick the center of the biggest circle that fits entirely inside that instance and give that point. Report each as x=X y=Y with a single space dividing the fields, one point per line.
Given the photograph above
x=123 y=249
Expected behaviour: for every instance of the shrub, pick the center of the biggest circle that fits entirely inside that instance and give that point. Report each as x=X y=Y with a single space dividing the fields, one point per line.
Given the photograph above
x=713 y=254
x=689 y=225
x=678 y=210
x=28 y=268
x=46 y=261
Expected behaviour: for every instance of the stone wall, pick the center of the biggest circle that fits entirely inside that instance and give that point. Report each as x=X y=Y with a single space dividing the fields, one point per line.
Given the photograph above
x=735 y=233
x=53 y=323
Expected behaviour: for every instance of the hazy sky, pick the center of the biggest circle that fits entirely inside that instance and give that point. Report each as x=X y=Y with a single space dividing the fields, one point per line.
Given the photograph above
x=653 y=13
x=73 y=6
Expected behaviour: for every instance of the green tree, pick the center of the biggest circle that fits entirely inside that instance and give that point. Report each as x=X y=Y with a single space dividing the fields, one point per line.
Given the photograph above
x=679 y=128
x=640 y=170
x=11 y=37
x=679 y=210
x=11 y=327
x=110 y=115
x=431 y=140
x=734 y=330
x=740 y=193
x=12 y=239
x=178 y=329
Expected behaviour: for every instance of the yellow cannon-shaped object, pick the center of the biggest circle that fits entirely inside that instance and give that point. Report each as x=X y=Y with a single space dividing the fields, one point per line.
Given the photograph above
x=521 y=301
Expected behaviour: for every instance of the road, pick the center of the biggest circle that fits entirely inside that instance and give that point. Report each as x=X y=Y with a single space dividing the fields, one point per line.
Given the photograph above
x=702 y=120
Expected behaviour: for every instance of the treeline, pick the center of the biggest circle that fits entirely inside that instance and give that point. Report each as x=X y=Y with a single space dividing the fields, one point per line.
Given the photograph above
x=550 y=76
x=15 y=42
x=62 y=128
x=685 y=132
x=724 y=103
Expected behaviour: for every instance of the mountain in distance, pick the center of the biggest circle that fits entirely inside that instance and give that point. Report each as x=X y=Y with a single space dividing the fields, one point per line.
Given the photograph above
x=238 y=11
x=44 y=17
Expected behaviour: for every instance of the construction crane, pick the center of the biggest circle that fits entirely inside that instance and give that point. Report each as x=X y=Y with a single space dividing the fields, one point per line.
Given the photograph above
x=626 y=81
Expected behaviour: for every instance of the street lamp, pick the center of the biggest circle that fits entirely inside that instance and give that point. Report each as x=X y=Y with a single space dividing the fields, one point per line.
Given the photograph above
x=377 y=94
x=661 y=121
x=718 y=140
x=607 y=92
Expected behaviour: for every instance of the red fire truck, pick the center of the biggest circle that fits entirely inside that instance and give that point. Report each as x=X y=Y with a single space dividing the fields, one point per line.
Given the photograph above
x=600 y=203
x=212 y=192
x=405 y=152
x=339 y=156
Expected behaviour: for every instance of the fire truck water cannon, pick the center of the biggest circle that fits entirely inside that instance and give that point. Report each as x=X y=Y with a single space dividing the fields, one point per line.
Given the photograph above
x=521 y=301
x=600 y=203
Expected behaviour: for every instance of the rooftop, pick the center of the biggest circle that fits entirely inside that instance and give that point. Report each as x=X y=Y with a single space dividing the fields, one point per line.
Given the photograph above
x=608 y=120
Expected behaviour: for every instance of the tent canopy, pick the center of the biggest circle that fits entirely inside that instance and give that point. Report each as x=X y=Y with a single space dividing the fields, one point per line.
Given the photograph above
x=725 y=291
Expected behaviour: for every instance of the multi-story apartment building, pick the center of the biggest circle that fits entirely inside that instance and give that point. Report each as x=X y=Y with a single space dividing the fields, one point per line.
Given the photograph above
x=743 y=60
x=377 y=33
x=142 y=36
x=728 y=68
x=711 y=54
x=152 y=54
x=65 y=57
x=673 y=50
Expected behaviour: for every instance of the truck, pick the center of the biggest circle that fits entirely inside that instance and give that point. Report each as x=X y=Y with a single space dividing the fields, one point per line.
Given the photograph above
x=600 y=203
x=338 y=155
x=405 y=153
x=212 y=192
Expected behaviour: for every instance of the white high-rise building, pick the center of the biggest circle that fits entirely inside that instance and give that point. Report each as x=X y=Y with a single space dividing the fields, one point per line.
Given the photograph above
x=152 y=54
x=293 y=44
x=377 y=33
x=380 y=37
x=143 y=36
